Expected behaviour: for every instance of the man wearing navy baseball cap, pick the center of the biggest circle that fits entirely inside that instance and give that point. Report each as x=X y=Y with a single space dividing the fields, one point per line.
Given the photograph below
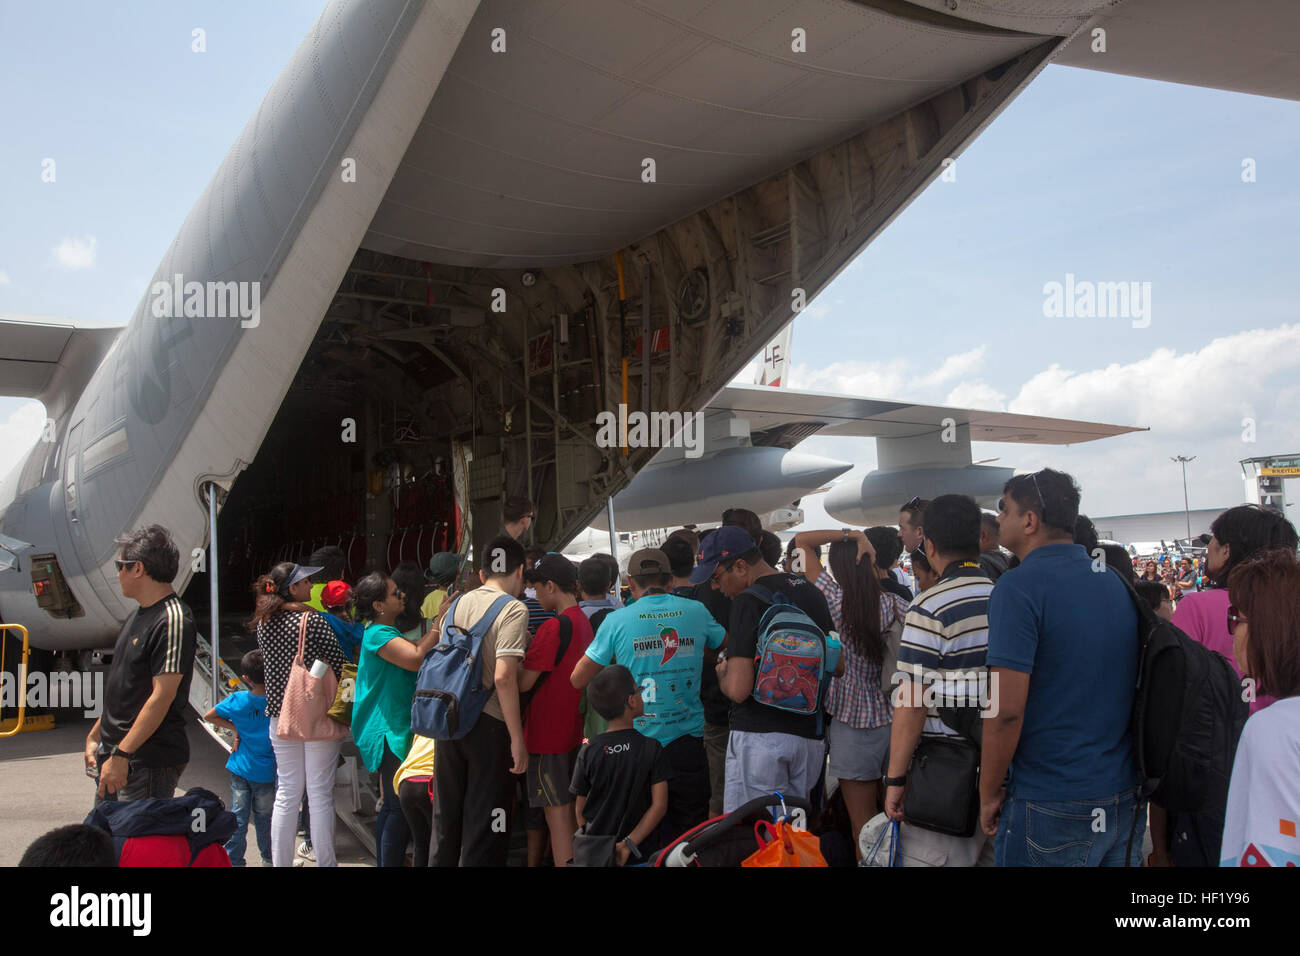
x=726 y=543
x=768 y=749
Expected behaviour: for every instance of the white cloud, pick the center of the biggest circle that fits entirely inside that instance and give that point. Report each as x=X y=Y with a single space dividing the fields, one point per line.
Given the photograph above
x=1211 y=388
x=18 y=433
x=954 y=367
x=976 y=394
x=871 y=379
x=746 y=375
x=1193 y=403
x=76 y=253
x=894 y=379
x=4 y=277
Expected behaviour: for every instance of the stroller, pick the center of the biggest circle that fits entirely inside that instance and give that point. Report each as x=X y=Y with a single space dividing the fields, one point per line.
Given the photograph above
x=731 y=838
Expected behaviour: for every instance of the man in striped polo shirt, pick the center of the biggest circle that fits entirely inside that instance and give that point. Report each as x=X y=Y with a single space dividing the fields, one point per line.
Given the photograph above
x=941 y=663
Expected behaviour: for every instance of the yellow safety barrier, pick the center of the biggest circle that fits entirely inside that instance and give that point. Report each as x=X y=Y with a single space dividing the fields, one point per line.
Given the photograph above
x=13 y=726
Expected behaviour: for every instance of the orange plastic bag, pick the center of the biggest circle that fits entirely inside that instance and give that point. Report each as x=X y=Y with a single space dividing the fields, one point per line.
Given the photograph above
x=785 y=846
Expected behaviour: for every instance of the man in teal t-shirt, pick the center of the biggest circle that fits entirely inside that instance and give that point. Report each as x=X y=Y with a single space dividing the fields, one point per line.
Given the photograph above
x=663 y=640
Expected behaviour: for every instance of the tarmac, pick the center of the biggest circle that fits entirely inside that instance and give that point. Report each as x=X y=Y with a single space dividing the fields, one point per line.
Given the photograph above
x=43 y=785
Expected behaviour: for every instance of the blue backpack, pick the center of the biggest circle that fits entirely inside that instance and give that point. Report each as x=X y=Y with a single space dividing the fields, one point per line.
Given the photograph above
x=449 y=692
x=794 y=659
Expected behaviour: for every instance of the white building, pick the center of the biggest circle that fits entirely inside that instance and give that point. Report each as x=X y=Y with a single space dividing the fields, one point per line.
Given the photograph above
x=1158 y=526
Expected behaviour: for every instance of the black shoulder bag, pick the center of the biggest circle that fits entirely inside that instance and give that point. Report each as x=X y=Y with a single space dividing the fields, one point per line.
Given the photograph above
x=566 y=635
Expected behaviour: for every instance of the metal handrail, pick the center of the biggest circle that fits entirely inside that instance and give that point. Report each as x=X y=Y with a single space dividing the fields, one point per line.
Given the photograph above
x=22 y=675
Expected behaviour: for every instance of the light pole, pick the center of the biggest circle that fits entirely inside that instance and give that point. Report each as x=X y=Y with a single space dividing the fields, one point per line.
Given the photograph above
x=1186 y=511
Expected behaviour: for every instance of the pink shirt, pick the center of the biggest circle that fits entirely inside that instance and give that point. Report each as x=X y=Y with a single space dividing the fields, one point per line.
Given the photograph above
x=1203 y=616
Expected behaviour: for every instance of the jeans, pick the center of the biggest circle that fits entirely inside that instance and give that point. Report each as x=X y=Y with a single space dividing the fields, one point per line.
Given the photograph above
x=142 y=782
x=303 y=766
x=1070 y=832
x=259 y=798
x=391 y=830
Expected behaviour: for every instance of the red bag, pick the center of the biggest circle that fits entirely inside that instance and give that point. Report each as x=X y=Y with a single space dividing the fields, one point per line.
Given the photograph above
x=304 y=712
x=785 y=846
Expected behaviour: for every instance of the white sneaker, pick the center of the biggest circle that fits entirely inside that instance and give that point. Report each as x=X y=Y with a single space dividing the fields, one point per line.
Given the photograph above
x=306 y=852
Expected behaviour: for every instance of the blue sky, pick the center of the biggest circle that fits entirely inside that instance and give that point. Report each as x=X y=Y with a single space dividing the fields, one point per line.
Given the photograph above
x=1106 y=177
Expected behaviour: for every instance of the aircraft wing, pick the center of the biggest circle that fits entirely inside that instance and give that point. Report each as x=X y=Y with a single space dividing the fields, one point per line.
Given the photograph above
x=785 y=417
x=1247 y=46
x=49 y=359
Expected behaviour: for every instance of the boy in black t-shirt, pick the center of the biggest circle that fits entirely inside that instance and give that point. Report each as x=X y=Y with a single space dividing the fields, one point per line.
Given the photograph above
x=621 y=776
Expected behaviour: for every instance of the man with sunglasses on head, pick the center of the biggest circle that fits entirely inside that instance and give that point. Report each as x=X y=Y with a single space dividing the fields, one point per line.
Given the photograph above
x=912 y=531
x=909 y=523
x=1063 y=656
x=768 y=750
x=138 y=748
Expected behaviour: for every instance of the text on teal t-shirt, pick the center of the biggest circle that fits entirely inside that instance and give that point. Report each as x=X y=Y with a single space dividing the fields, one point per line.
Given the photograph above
x=661 y=640
x=381 y=710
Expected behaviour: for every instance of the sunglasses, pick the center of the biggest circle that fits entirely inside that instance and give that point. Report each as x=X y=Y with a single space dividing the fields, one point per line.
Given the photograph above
x=123 y=565
x=721 y=570
x=1042 y=502
x=1235 y=617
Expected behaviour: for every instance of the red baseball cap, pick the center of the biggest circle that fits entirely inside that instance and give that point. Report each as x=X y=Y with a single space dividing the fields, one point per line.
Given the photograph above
x=336 y=594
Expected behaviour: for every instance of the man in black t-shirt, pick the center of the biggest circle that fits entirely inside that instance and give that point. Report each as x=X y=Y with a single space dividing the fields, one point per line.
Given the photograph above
x=681 y=558
x=991 y=560
x=768 y=749
x=717 y=708
x=138 y=748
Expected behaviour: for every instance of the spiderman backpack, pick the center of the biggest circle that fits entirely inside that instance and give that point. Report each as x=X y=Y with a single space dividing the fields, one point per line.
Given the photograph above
x=794 y=659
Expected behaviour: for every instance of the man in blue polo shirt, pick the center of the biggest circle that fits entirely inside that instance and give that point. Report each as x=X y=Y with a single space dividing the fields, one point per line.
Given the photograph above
x=663 y=639
x=1063 y=651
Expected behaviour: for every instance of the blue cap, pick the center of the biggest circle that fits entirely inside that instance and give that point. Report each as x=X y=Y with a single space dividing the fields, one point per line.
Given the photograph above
x=725 y=543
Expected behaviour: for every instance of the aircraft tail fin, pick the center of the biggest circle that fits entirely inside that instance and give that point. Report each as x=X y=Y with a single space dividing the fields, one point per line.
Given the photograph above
x=773 y=365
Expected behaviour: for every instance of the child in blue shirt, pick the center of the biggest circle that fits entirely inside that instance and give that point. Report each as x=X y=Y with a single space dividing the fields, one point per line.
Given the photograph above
x=349 y=632
x=252 y=762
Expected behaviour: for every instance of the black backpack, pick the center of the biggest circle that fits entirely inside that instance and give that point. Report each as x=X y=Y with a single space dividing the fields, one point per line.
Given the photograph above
x=1188 y=714
x=599 y=616
x=566 y=636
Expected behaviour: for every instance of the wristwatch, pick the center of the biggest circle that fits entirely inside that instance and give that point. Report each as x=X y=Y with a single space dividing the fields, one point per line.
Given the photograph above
x=636 y=852
x=894 y=781
x=116 y=751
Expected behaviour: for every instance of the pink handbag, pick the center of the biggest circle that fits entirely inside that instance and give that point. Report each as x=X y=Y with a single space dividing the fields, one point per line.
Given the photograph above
x=304 y=712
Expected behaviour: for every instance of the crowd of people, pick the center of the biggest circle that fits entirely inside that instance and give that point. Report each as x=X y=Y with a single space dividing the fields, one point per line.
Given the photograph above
x=976 y=688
